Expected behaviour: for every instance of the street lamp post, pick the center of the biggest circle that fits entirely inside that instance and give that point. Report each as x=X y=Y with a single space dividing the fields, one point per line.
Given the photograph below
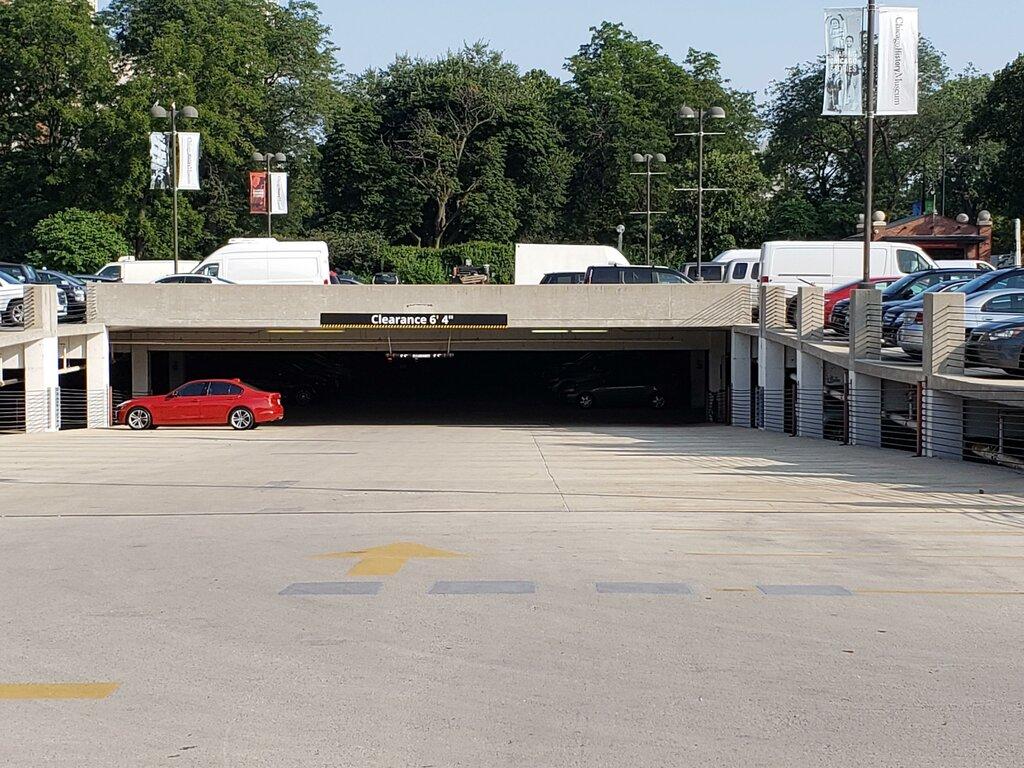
x=159 y=113
x=268 y=158
x=869 y=147
x=648 y=159
x=689 y=113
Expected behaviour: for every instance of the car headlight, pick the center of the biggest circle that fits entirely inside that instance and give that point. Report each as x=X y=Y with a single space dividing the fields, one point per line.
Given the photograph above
x=1006 y=333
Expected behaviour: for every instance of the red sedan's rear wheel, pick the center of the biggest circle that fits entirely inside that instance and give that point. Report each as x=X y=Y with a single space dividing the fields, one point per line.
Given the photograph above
x=138 y=419
x=241 y=418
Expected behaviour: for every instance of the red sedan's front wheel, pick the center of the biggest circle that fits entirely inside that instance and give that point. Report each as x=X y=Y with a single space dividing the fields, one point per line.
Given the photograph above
x=241 y=418
x=138 y=419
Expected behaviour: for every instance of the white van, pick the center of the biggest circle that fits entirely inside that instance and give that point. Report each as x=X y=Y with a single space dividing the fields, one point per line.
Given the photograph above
x=143 y=270
x=831 y=264
x=737 y=265
x=268 y=261
x=533 y=261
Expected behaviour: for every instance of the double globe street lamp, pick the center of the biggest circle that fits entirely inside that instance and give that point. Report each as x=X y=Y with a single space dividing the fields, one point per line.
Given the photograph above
x=689 y=113
x=173 y=114
x=269 y=159
x=648 y=159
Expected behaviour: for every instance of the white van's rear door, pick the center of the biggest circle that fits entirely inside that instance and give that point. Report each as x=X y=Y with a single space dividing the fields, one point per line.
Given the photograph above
x=294 y=269
x=801 y=264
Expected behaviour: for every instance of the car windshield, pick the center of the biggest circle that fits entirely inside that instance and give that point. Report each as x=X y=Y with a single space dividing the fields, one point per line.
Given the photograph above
x=896 y=289
x=983 y=280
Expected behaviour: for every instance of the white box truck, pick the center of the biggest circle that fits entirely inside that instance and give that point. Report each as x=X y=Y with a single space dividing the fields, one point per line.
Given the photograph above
x=143 y=270
x=535 y=261
x=269 y=261
x=830 y=264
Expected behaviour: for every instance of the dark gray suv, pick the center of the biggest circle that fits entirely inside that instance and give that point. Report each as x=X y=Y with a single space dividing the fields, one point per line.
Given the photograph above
x=634 y=275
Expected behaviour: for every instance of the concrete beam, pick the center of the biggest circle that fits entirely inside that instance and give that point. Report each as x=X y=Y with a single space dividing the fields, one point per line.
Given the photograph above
x=865 y=325
x=771 y=378
x=41 y=385
x=943 y=421
x=771 y=307
x=865 y=408
x=701 y=305
x=97 y=380
x=810 y=313
x=140 y=371
x=741 y=387
x=944 y=334
x=810 y=378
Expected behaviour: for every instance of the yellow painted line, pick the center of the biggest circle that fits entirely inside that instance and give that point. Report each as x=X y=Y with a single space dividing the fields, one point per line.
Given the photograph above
x=952 y=592
x=387 y=560
x=13 y=691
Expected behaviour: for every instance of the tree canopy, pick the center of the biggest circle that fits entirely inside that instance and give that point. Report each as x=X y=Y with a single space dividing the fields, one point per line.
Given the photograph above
x=432 y=153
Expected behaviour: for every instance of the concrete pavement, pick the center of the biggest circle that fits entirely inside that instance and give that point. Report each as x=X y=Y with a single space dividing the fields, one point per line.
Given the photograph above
x=762 y=599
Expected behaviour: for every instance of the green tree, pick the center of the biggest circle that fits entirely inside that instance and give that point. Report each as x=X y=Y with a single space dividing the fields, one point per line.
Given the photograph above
x=623 y=97
x=448 y=150
x=263 y=77
x=819 y=161
x=55 y=77
x=77 y=241
x=999 y=121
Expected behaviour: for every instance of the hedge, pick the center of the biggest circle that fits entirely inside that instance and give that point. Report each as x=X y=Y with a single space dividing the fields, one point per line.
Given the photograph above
x=364 y=253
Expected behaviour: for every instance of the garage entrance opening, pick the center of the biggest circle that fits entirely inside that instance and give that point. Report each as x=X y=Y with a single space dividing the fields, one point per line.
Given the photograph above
x=622 y=387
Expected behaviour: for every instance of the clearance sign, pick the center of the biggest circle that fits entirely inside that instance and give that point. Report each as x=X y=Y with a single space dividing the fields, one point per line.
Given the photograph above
x=411 y=321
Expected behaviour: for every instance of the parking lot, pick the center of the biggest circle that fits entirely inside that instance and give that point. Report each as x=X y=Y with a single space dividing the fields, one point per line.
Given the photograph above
x=463 y=595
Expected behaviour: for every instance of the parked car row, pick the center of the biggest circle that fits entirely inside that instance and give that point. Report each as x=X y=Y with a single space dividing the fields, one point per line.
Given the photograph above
x=14 y=278
x=905 y=288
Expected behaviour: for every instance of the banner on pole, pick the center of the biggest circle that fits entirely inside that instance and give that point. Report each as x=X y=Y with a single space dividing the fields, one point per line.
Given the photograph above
x=278 y=193
x=897 y=61
x=258 y=192
x=844 y=29
x=159 y=161
x=188 y=161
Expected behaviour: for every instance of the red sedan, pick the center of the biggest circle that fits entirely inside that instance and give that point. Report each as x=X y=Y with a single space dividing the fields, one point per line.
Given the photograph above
x=844 y=291
x=200 y=403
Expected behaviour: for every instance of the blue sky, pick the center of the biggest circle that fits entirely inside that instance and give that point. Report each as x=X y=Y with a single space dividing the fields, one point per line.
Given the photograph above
x=756 y=39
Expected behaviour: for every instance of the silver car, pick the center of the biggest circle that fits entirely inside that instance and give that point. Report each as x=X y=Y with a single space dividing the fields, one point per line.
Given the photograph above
x=979 y=308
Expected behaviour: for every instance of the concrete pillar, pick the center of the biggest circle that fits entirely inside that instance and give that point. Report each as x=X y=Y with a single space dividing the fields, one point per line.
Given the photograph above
x=772 y=307
x=810 y=384
x=140 y=371
x=741 y=388
x=97 y=380
x=810 y=314
x=865 y=325
x=42 y=385
x=865 y=409
x=175 y=369
x=943 y=419
x=771 y=378
x=944 y=335
x=42 y=359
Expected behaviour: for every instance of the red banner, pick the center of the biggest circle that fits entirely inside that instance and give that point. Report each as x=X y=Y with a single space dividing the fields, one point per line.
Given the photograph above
x=258 y=192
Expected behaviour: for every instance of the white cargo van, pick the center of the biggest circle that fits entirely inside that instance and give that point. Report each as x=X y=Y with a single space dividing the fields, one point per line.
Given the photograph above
x=830 y=264
x=535 y=261
x=737 y=265
x=268 y=261
x=143 y=270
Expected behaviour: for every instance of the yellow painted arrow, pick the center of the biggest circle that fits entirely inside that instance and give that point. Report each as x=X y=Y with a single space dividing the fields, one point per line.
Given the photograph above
x=387 y=560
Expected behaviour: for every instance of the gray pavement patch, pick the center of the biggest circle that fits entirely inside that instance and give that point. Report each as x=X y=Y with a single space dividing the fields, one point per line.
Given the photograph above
x=333 y=588
x=812 y=590
x=483 y=588
x=643 y=588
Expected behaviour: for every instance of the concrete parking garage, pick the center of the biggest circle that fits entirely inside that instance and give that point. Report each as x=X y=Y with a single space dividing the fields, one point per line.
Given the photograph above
x=511 y=595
